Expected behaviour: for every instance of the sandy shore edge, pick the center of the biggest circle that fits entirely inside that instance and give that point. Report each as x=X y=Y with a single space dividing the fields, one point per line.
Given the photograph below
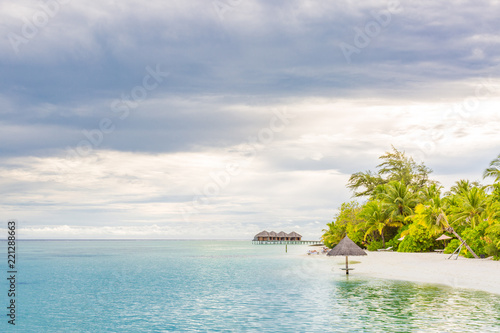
x=433 y=268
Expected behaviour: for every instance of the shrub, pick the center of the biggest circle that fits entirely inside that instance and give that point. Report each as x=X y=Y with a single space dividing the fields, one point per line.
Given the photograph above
x=492 y=238
x=374 y=246
x=475 y=239
x=395 y=242
x=355 y=234
x=452 y=246
x=417 y=240
x=492 y=250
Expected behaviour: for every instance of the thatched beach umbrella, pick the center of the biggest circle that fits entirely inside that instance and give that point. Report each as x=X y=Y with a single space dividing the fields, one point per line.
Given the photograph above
x=346 y=247
x=443 y=237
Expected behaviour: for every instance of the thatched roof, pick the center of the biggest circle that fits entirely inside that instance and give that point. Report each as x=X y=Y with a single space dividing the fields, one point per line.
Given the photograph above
x=346 y=247
x=282 y=234
x=443 y=237
x=294 y=234
x=272 y=234
x=262 y=234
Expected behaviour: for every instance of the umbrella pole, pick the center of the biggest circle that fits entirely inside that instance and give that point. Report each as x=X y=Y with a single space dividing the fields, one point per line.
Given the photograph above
x=346 y=265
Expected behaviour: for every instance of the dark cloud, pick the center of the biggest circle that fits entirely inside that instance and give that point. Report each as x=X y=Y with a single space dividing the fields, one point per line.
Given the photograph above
x=282 y=47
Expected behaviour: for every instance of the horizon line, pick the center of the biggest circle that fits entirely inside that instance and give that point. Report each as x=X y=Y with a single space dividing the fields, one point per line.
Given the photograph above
x=127 y=239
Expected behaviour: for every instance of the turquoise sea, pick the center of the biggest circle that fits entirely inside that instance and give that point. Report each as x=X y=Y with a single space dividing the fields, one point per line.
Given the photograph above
x=221 y=286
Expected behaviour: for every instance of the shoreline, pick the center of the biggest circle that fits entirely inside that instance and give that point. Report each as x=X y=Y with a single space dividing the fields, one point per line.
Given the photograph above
x=432 y=268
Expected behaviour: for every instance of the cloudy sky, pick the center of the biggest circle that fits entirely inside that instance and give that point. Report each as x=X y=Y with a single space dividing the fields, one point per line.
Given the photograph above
x=221 y=118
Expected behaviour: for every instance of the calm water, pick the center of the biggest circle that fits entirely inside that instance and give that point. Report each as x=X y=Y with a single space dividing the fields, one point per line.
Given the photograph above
x=190 y=286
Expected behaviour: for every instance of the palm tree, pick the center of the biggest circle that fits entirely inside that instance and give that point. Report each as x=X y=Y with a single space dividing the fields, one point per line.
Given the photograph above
x=472 y=206
x=443 y=221
x=333 y=234
x=495 y=193
x=463 y=185
x=377 y=219
x=431 y=215
x=494 y=230
x=399 y=201
x=429 y=193
x=340 y=226
x=426 y=215
x=363 y=183
x=493 y=205
x=493 y=170
x=431 y=207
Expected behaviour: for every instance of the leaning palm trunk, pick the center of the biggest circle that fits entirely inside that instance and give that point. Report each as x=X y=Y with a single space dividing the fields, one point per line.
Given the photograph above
x=449 y=228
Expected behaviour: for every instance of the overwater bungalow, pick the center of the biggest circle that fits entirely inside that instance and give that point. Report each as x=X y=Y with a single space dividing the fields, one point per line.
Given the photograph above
x=262 y=236
x=271 y=237
x=294 y=236
x=283 y=235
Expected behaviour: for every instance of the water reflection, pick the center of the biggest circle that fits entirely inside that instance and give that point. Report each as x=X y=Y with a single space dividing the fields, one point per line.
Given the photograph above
x=381 y=305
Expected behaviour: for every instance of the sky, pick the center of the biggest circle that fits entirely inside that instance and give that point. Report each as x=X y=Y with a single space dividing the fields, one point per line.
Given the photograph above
x=217 y=119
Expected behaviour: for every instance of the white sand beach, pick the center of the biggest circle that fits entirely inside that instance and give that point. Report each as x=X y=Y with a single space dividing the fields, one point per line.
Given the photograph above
x=479 y=274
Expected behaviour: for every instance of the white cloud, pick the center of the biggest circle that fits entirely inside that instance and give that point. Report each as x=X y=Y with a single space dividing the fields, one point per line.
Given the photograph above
x=422 y=85
x=295 y=180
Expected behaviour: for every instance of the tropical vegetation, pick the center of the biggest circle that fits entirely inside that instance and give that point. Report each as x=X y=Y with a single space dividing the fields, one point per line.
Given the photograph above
x=404 y=209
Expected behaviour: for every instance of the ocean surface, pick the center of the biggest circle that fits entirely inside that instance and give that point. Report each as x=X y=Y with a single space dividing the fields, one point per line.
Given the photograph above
x=221 y=286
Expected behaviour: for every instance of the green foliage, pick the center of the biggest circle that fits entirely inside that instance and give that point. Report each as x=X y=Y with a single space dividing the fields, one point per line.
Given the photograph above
x=417 y=240
x=399 y=201
x=374 y=246
x=355 y=234
x=395 y=166
x=452 y=246
x=495 y=194
x=493 y=170
x=492 y=250
x=492 y=239
x=403 y=201
x=394 y=241
x=391 y=235
x=475 y=238
x=376 y=219
x=345 y=223
x=463 y=186
x=470 y=207
x=363 y=183
x=333 y=234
